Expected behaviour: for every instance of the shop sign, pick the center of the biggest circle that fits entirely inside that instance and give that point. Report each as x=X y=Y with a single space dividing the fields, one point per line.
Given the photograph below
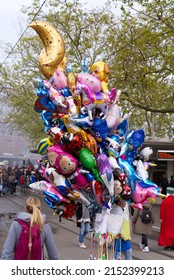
x=165 y=155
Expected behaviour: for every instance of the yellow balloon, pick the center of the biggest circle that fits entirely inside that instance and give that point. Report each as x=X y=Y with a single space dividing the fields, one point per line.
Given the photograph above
x=54 y=46
x=46 y=71
x=101 y=70
x=44 y=145
x=62 y=64
x=49 y=71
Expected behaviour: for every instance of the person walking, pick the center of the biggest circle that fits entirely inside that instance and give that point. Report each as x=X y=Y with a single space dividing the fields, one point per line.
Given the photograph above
x=31 y=227
x=32 y=177
x=18 y=174
x=166 y=236
x=5 y=183
x=122 y=244
x=23 y=183
x=1 y=182
x=12 y=183
x=171 y=183
x=164 y=184
x=143 y=227
x=83 y=222
x=27 y=181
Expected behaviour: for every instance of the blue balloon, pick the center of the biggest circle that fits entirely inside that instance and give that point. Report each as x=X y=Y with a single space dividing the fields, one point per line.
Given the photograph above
x=147 y=183
x=130 y=173
x=50 y=202
x=52 y=196
x=99 y=129
x=123 y=127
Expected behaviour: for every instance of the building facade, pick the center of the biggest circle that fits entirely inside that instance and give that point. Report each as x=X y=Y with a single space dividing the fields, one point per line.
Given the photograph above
x=163 y=157
x=15 y=150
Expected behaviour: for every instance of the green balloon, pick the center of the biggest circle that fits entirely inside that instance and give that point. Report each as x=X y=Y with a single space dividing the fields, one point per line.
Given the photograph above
x=88 y=160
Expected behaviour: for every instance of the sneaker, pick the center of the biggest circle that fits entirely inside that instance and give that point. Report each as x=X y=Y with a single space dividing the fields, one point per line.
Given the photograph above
x=167 y=248
x=146 y=249
x=82 y=245
x=141 y=246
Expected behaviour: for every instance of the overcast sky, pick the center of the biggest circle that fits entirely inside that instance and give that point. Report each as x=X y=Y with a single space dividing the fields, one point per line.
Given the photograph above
x=10 y=12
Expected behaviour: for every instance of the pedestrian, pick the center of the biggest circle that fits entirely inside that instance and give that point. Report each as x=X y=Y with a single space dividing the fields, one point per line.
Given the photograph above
x=18 y=174
x=32 y=177
x=35 y=221
x=12 y=183
x=28 y=170
x=171 y=183
x=83 y=222
x=141 y=227
x=5 y=181
x=164 y=184
x=23 y=183
x=1 y=182
x=27 y=181
x=38 y=176
x=166 y=236
x=122 y=244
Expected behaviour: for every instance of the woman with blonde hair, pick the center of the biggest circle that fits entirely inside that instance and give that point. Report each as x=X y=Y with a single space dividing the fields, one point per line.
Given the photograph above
x=28 y=234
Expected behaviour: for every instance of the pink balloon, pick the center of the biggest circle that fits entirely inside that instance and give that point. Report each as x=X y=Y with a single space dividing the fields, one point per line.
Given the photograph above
x=141 y=195
x=60 y=79
x=90 y=81
x=113 y=117
x=54 y=193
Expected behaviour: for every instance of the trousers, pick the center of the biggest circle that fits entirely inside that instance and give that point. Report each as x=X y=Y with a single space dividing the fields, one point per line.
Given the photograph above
x=144 y=240
x=84 y=229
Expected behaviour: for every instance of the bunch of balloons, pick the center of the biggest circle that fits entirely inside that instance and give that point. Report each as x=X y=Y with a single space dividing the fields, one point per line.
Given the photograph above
x=89 y=152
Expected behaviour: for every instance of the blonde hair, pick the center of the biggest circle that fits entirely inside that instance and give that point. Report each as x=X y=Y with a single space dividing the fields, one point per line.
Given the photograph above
x=33 y=207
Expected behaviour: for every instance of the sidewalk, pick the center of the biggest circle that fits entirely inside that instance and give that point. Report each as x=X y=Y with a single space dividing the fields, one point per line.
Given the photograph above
x=69 y=249
x=66 y=232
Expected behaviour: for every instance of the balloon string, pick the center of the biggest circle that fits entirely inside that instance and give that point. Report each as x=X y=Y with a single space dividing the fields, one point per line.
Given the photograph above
x=92 y=245
x=120 y=250
x=113 y=248
x=23 y=34
x=107 y=244
x=98 y=249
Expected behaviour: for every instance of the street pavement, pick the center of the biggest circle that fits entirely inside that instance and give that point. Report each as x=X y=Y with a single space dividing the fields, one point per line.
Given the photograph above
x=65 y=233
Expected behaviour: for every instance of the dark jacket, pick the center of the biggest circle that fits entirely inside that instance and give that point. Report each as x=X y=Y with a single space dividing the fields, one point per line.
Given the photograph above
x=171 y=184
x=164 y=185
x=78 y=213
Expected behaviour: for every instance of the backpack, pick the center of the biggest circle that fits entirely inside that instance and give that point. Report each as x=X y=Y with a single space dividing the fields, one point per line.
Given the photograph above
x=22 y=180
x=29 y=243
x=146 y=216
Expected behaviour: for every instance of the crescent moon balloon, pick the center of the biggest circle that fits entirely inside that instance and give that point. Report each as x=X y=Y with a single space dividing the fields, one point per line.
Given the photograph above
x=54 y=46
x=49 y=71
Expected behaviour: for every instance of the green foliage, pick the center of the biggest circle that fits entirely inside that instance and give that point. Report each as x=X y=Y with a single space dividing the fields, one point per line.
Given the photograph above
x=138 y=46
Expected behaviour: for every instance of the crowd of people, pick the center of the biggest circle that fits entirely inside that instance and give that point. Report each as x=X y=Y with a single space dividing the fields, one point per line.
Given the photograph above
x=34 y=221
x=10 y=178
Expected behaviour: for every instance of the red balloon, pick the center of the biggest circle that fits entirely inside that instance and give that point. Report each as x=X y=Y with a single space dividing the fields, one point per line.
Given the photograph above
x=69 y=210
